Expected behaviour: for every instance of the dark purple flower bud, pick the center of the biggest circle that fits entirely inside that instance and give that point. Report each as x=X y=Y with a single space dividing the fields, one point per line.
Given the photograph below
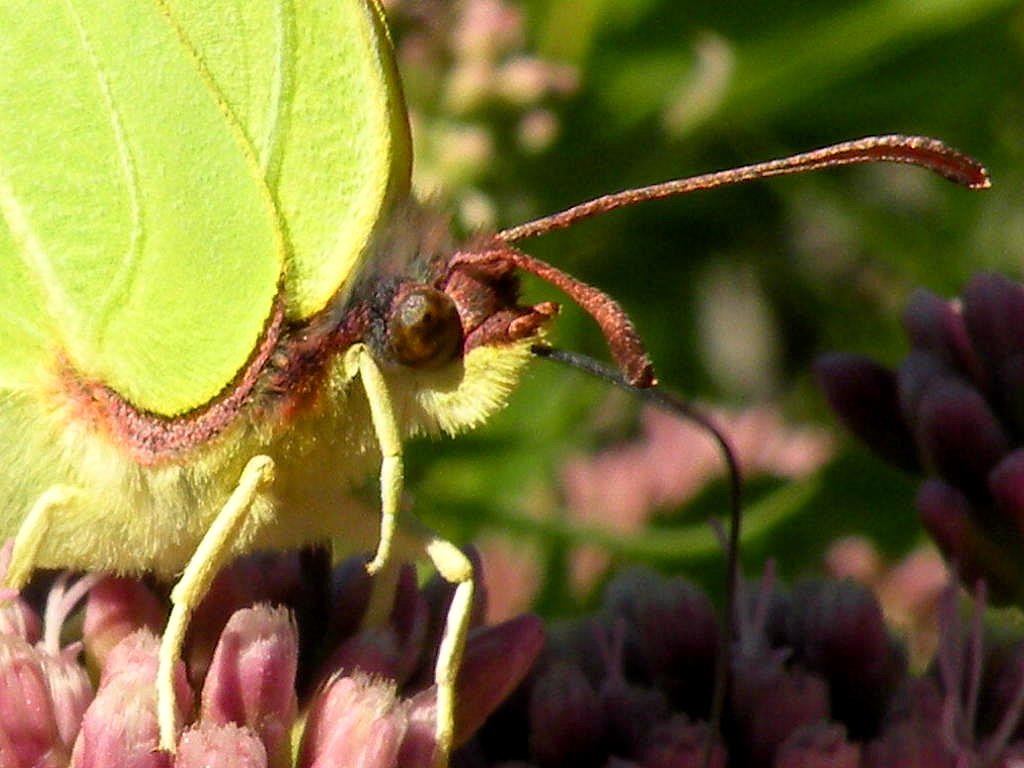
x=566 y=721
x=630 y=711
x=376 y=651
x=837 y=630
x=770 y=702
x=819 y=745
x=1008 y=390
x=994 y=315
x=220 y=746
x=495 y=661
x=120 y=728
x=1006 y=482
x=354 y=720
x=618 y=762
x=1010 y=756
x=620 y=609
x=392 y=650
x=115 y=608
x=1004 y=680
x=351 y=586
x=28 y=725
x=419 y=747
x=918 y=699
x=680 y=743
x=958 y=434
x=678 y=636
x=950 y=520
x=909 y=744
x=937 y=326
x=265 y=577
x=865 y=397
x=914 y=377
x=251 y=681
x=438 y=593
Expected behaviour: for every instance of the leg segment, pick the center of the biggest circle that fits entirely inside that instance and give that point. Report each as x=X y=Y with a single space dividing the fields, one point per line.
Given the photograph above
x=389 y=438
x=210 y=556
x=450 y=562
x=33 y=530
x=456 y=569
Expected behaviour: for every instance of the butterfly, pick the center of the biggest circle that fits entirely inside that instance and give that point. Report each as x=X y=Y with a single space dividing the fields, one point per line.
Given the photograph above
x=221 y=308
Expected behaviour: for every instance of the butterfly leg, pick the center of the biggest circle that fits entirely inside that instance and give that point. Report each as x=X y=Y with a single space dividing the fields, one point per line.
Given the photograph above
x=32 y=532
x=455 y=568
x=385 y=427
x=210 y=556
x=449 y=560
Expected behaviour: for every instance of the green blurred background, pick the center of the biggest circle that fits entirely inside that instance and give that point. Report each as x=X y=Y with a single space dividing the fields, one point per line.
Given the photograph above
x=735 y=291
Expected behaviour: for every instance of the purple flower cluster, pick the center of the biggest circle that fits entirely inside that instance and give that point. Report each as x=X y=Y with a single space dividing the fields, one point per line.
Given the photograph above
x=296 y=683
x=816 y=681
x=953 y=410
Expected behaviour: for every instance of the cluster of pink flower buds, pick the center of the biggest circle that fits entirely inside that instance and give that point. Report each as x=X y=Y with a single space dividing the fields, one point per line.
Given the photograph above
x=814 y=679
x=297 y=683
x=953 y=410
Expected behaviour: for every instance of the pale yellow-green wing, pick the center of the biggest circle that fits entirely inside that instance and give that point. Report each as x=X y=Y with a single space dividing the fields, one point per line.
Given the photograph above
x=137 y=237
x=166 y=167
x=314 y=85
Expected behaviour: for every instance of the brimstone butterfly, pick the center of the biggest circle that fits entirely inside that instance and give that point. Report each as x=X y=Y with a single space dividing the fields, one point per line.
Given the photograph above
x=220 y=308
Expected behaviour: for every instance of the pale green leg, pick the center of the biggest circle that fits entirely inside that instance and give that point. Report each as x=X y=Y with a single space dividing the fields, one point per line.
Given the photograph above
x=450 y=562
x=210 y=556
x=385 y=427
x=455 y=568
x=31 y=533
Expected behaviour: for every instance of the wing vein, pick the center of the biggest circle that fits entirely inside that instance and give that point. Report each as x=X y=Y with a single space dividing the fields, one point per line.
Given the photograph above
x=28 y=247
x=128 y=264
x=271 y=154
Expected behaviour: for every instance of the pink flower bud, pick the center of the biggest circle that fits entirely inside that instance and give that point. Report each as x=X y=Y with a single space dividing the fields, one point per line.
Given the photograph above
x=220 y=746
x=17 y=618
x=819 y=745
x=354 y=721
x=251 y=680
x=265 y=577
x=70 y=690
x=120 y=728
x=679 y=743
x=27 y=719
x=117 y=607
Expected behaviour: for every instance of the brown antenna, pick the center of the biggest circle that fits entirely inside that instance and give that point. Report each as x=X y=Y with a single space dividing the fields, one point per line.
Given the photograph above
x=930 y=154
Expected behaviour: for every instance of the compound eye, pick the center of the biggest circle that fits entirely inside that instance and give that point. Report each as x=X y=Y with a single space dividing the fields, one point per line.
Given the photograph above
x=425 y=330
